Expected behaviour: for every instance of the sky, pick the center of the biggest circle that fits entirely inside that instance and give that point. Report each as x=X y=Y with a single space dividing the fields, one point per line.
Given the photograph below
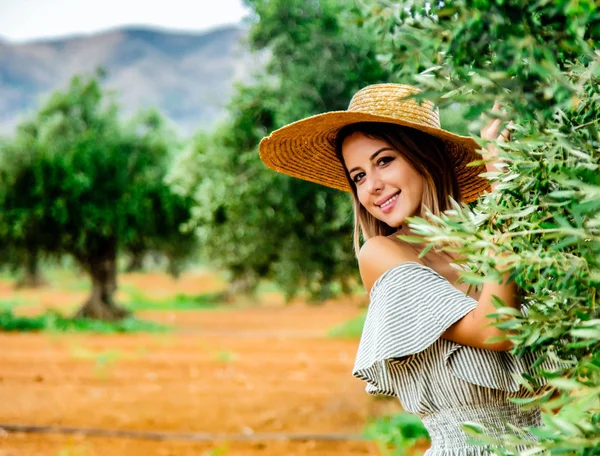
x=26 y=20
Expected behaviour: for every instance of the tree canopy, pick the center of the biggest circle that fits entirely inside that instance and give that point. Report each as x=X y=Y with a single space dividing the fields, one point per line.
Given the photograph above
x=256 y=223
x=77 y=180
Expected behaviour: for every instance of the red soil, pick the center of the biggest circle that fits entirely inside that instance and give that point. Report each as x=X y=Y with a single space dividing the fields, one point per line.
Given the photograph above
x=266 y=368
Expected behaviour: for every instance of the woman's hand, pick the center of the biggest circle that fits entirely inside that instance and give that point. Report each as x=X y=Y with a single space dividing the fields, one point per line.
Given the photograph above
x=490 y=132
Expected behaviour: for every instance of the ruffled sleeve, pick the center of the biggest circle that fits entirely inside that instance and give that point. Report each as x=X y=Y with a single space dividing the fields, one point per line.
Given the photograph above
x=500 y=370
x=411 y=307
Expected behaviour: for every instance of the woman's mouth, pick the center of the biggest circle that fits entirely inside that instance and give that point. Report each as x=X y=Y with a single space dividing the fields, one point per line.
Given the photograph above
x=389 y=204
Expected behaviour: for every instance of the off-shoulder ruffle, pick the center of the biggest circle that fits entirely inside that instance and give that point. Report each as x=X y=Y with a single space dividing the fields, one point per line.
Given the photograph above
x=411 y=307
x=496 y=369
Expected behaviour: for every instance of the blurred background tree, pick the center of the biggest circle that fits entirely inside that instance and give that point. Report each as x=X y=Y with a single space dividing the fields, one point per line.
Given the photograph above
x=79 y=181
x=539 y=59
x=251 y=221
x=21 y=253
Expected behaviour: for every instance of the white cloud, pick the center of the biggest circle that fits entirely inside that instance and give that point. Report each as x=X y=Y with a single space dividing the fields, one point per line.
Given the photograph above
x=23 y=20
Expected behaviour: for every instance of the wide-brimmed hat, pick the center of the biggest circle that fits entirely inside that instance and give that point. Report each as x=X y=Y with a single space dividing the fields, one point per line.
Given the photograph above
x=306 y=149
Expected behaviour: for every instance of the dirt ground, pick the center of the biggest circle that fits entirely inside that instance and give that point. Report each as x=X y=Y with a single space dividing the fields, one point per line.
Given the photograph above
x=245 y=371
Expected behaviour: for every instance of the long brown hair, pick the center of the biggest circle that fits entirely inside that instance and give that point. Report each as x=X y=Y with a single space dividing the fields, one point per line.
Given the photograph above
x=424 y=152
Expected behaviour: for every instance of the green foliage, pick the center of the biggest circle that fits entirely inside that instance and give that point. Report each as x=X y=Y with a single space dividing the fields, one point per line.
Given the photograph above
x=206 y=301
x=55 y=322
x=84 y=178
x=104 y=362
x=225 y=356
x=397 y=435
x=352 y=329
x=11 y=304
x=11 y=257
x=518 y=51
x=77 y=180
x=256 y=223
x=542 y=223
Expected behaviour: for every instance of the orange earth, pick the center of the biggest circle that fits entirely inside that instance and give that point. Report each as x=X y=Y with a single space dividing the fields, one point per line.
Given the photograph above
x=240 y=371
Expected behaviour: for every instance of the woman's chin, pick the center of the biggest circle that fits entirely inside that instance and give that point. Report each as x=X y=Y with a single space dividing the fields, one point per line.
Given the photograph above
x=395 y=222
x=395 y=225
x=392 y=220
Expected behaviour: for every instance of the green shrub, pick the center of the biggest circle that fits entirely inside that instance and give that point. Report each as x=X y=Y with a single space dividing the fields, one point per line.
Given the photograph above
x=55 y=322
x=205 y=301
x=350 y=329
x=396 y=434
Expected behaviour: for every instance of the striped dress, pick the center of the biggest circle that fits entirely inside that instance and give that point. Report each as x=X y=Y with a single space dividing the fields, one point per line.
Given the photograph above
x=447 y=384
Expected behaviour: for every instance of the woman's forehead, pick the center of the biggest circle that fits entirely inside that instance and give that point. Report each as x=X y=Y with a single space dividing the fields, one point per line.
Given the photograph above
x=358 y=146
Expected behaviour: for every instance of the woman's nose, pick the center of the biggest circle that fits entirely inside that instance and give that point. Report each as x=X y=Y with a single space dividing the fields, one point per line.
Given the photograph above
x=374 y=184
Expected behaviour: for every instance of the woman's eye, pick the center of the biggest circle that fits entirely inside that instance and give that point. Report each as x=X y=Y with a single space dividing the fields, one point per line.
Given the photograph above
x=384 y=160
x=358 y=177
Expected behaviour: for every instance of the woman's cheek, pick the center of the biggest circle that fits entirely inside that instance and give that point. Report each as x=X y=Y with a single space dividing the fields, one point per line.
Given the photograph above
x=361 y=195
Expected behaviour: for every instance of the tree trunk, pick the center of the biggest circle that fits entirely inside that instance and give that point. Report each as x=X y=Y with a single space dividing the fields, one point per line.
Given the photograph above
x=242 y=285
x=101 y=305
x=32 y=277
x=136 y=262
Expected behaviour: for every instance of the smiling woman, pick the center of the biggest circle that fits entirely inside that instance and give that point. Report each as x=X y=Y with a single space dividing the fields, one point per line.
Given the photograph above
x=424 y=340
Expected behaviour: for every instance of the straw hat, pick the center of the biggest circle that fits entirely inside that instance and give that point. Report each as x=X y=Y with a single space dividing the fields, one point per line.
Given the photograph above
x=306 y=148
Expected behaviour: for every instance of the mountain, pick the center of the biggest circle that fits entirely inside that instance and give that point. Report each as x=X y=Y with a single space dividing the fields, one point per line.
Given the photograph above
x=188 y=77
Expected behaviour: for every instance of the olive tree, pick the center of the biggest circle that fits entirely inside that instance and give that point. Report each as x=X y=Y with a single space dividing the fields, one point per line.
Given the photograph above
x=21 y=254
x=89 y=185
x=252 y=221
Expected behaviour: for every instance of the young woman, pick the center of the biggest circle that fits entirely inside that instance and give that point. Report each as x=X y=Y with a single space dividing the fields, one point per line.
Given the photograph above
x=424 y=340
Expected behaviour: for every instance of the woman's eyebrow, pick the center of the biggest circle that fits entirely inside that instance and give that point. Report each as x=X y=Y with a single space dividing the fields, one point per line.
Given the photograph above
x=372 y=157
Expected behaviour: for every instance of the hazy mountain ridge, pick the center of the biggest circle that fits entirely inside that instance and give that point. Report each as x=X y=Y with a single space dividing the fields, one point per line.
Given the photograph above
x=189 y=77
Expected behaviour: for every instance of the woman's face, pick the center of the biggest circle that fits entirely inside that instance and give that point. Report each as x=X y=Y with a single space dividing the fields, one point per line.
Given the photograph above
x=387 y=185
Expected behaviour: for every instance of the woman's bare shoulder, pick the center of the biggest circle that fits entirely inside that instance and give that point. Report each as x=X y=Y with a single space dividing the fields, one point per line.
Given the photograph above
x=379 y=254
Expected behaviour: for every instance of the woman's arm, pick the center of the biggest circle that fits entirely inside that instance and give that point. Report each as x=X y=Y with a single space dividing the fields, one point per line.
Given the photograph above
x=476 y=328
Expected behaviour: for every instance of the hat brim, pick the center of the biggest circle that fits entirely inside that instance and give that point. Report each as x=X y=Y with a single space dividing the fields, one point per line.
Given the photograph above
x=306 y=149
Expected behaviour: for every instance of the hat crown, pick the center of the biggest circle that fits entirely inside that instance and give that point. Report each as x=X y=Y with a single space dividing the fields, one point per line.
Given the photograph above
x=396 y=101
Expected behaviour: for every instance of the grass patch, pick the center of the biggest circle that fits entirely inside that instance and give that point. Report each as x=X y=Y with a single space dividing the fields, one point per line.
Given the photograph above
x=204 y=301
x=269 y=286
x=225 y=356
x=6 y=275
x=53 y=321
x=103 y=362
x=55 y=277
x=12 y=304
x=351 y=329
x=397 y=435
x=67 y=278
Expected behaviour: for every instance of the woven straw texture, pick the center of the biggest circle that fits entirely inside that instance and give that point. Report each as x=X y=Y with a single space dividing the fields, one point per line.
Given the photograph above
x=306 y=149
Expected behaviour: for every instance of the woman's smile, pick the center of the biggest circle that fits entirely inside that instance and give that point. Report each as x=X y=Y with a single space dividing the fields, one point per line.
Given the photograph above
x=388 y=203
